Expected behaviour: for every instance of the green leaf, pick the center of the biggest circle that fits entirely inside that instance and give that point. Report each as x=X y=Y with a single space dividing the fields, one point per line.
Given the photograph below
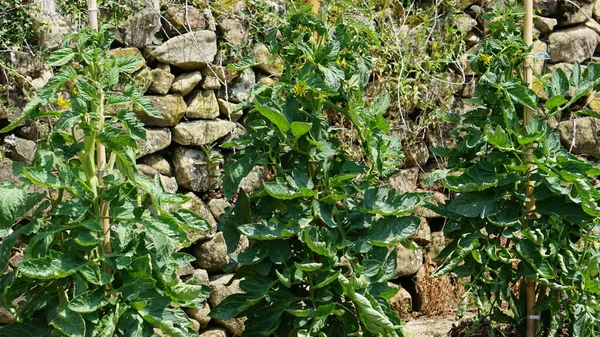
x=499 y=139
x=475 y=204
x=233 y=306
x=89 y=301
x=72 y=210
x=23 y=329
x=243 y=64
x=53 y=266
x=11 y=199
x=133 y=125
x=531 y=253
x=281 y=191
x=300 y=128
x=60 y=57
x=390 y=230
x=334 y=76
x=267 y=230
x=86 y=90
x=128 y=64
x=521 y=94
x=435 y=176
x=559 y=84
x=235 y=171
x=575 y=75
x=171 y=321
x=319 y=240
x=40 y=176
x=141 y=102
x=555 y=102
x=191 y=220
x=68 y=322
x=275 y=116
x=308 y=266
x=253 y=254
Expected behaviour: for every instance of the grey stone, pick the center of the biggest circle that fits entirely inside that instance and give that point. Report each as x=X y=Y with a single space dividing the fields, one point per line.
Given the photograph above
x=200 y=315
x=202 y=104
x=201 y=132
x=408 y=261
x=180 y=19
x=169 y=183
x=222 y=290
x=217 y=206
x=6 y=172
x=254 y=179
x=156 y=140
x=576 y=44
x=405 y=180
x=437 y=198
x=192 y=169
x=216 y=332
x=471 y=38
x=216 y=76
x=539 y=47
x=239 y=90
x=544 y=25
x=437 y=244
x=195 y=325
x=157 y=162
x=161 y=81
x=465 y=23
x=267 y=62
x=171 y=107
x=423 y=235
x=580 y=135
x=211 y=255
x=200 y=276
x=234 y=32
x=417 y=154
x=19 y=149
x=190 y=51
x=33 y=130
x=50 y=24
x=40 y=82
x=185 y=270
x=142 y=79
x=401 y=302
x=139 y=30
x=185 y=83
x=226 y=110
x=545 y=7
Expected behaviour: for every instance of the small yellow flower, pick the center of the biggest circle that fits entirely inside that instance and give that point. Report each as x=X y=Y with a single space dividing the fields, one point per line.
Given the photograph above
x=299 y=89
x=342 y=63
x=486 y=59
x=63 y=103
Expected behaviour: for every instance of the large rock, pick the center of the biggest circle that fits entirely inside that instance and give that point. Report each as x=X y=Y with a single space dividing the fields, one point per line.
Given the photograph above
x=201 y=132
x=239 y=90
x=544 y=25
x=202 y=104
x=185 y=83
x=233 y=31
x=580 y=135
x=190 y=51
x=576 y=44
x=545 y=7
x=267 y=62
x=200 y=315
x=539 y=48
x=171 y=107
x=156 y=140
x=139 y=30
x=142 y=79
x=159 y=163
x=405 y=180
x=161 y=81
x=212 y=255
x=180 y=19
x=50 y=24
x=194 y=171
x=222 y=289
x=408 y=261
x=19 y=149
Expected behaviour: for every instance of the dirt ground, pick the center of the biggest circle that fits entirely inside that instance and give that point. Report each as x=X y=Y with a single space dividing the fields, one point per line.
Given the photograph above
x=432 y=327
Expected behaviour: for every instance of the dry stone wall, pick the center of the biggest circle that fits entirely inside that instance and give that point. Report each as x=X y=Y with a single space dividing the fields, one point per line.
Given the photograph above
x=186 y=78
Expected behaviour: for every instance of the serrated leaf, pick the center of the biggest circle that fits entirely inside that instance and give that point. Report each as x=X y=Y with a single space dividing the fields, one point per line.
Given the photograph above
x=133 y=125
x=555 y=102
x=235 y=171
x=60 y=57
x=141 y=102
x=475 y=204
x=233 y=306
x=334 y=76
x=53 y=266
x=68 y=322
x=128 y=64
x=559 y=84
x=89 y=301
x=521 y=94
x=191 y=220
x=72 y=210
x=390 y=230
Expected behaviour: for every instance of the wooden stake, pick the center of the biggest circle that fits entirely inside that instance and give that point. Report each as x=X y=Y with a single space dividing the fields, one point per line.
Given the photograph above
x=100 y=149
x=527 y=116
x=315 y=6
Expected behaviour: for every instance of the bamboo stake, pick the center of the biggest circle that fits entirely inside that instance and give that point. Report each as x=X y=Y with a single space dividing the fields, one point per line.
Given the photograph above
x=530 y=204
x=315 y=6
x=100 y=149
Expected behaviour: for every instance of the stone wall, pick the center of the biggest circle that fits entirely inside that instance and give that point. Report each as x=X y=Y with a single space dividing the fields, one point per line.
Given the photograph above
x=186 y=78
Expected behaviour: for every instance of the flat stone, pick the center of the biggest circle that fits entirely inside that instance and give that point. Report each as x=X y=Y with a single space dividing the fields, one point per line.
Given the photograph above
x=157 y=162
x=171 y=107
x=576 y=44
x=437 y=198
x=239 y=90
x=6 y=171
x=226 y=110
x=142 y=79
x=20 y=149
x=216 y=332
x=211 y=255
x=215 y=76
x=569 y=13
x=201 y=132
x=139 y=30
x=185 y=83
x=408 y=261
x=437 y=244
x=217 y=207
x=5 y=316
x=544 y=25
x=180 y=19
x=190 y=51
x=580 y=135
x=161 y=81
x=202 y=104
x=156 y=139
x=267 y=62
x=192 y=169
x=401 y=302
x=539 y=48
x=234 y=32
